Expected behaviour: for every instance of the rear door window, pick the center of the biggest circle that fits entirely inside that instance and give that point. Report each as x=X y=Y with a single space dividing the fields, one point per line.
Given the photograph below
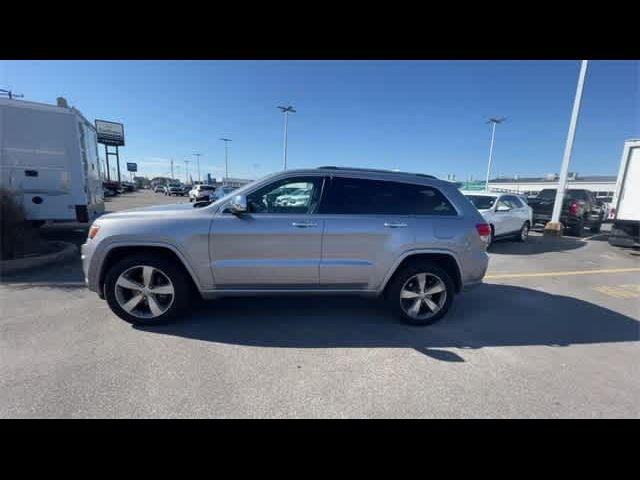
x=515 y=201
x=355 y=196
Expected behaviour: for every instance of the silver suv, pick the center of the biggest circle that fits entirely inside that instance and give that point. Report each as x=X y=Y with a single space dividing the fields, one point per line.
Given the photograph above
x=411 y=238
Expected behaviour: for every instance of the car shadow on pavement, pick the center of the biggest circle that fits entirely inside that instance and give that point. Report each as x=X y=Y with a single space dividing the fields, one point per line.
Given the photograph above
x=489 y=316
x=535 y=244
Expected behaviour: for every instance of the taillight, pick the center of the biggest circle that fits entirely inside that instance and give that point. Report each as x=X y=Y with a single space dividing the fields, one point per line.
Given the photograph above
x=612 y=213
x=484 y=230
x=573 y=209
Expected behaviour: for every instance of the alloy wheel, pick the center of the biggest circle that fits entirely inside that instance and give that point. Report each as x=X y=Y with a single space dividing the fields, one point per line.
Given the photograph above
x=423 y=295
x=144 y=291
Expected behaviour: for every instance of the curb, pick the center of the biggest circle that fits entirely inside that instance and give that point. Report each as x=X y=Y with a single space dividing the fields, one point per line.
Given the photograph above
x=67 y=251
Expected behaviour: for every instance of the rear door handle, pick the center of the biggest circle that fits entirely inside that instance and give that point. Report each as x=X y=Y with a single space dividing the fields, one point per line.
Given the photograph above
x=304 y=224
x=395 y=225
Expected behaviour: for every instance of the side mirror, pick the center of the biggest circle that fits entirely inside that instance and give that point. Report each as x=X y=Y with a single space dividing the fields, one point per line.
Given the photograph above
x=502 y=208
x=238 y=205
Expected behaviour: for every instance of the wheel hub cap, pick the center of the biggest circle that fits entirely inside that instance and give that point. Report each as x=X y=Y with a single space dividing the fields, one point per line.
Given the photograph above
x=423 y=295
x=144 y=291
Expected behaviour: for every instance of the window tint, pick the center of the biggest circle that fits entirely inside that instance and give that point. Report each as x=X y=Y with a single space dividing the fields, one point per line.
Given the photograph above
x=547 y=194
x=292 y=195
x=577 y=195
x=482 y=202
x=351 y=196
x=515 y=201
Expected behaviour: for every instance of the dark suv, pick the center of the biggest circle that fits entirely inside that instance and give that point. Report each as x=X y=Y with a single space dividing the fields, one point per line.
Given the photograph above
x=580 y=209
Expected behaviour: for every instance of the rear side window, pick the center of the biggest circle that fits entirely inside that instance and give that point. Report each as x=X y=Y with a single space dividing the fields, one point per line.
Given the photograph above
x=355 y=196
x=515 y=201
x=482 y=202
x=577 y=195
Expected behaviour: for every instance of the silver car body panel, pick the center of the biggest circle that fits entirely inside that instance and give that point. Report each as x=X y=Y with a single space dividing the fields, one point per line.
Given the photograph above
x=270 y=253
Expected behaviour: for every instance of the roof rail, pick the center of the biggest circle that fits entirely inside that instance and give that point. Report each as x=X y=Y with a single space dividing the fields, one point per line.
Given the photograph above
x=378 y=170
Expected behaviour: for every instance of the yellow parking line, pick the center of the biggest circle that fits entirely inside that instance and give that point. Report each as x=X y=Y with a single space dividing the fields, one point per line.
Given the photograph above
x=561 y=274
x=619 y=291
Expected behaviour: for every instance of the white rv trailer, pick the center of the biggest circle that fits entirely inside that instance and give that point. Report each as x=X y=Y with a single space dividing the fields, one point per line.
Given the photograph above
x=49 y=161
x=625 y=231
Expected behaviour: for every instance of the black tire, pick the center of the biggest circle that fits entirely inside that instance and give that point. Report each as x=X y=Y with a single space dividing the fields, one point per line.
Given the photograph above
x=179 y=278
x=595 y=228
x=403 y=276
x=524 y=232
x=578 y=229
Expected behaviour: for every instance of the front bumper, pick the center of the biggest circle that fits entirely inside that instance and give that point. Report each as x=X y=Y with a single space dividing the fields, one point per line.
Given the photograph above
x=86 y=255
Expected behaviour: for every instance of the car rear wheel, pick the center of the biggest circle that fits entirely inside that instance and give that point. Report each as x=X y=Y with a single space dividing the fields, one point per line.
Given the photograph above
x=147 y=289
x=577 y=229
x=421 y=294
x=524 y=232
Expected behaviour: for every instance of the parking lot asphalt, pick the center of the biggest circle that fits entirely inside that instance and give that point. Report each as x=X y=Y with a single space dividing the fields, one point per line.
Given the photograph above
x=553 y=332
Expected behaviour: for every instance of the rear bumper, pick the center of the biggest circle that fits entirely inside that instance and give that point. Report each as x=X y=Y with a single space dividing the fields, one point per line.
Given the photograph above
x=474 y=269
x=542 y=218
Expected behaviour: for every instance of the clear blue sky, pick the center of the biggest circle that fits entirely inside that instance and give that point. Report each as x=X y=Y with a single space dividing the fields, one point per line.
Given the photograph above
x=422 y=116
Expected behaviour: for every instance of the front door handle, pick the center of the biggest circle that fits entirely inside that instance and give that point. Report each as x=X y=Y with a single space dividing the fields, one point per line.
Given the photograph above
x=304 y=224
x=395 y=225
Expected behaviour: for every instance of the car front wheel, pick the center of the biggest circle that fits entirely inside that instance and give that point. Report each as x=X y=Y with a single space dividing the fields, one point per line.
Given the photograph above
x=147 y=289
x=421 y=294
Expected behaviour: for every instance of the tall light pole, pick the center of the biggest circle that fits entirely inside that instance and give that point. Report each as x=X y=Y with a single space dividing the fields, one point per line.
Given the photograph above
x=554 y=226
x=286 y=111
x=186 y=171
x=226 y=159
x=493 y=122
x=198 y=155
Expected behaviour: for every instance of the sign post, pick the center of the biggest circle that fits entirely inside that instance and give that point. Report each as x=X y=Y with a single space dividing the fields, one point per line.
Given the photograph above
x=110 y=134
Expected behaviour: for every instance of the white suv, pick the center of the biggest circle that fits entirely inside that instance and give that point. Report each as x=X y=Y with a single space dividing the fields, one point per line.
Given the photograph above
x=508 y=214
x=201 y=192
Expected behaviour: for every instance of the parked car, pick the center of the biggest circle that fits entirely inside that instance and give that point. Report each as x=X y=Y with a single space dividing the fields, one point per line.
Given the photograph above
x=607 y=206
x=174 y=189
x=297 y=197
x=128 y=186
x=412 y=239
x=508 y=214
x=222 y=191
x=159 y=189
x=580 y=209
x=186 y=189
x=201 y=193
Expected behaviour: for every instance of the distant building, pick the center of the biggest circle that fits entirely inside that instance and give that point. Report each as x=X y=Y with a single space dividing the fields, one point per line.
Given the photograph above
x=230 y=181
x=602 y=185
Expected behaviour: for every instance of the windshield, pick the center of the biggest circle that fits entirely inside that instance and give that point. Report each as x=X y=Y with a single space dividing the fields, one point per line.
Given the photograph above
x=547 y=194
x=207 y=187
x=482 y=202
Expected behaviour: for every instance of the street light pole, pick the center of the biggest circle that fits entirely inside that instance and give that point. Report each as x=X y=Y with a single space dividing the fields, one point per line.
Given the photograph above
x=186 y=171
x=226 y=159
x=493 y=122
x=198 y=155
x=286 y=111
x=554 y=226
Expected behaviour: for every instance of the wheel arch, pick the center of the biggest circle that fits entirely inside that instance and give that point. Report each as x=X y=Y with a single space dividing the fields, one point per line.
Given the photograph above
x=444 y=259
x=117 y=252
